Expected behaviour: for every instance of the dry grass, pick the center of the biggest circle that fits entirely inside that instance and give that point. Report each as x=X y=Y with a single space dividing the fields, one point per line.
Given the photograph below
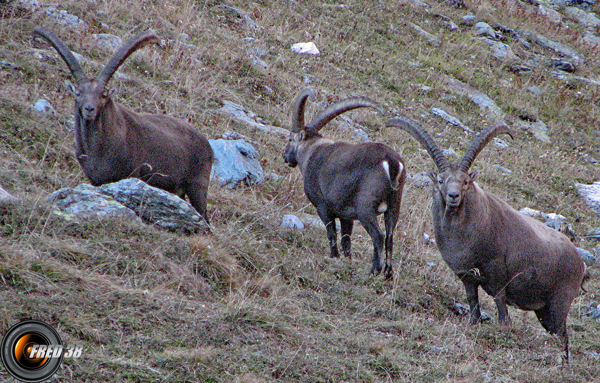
x=253 y=302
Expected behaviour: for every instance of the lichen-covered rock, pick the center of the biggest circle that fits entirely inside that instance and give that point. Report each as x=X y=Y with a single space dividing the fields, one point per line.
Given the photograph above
x=156 y=206
x=130 y=199
x=236 y=161
x=591 y=195
x=84 y=202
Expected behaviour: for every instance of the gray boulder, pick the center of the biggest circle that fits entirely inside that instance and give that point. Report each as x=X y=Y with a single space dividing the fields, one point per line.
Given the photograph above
x=591 y=195
x=85 y=202
x=129 y=199
x=236 y=161
x=156 y=206
x=6 y=197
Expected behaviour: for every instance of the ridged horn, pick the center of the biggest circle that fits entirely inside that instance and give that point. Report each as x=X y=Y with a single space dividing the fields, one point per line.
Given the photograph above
x=63 y=51
x=298 y=108
x=123 y=53
x=412 y=127
x=334 y=110
x=480 y=142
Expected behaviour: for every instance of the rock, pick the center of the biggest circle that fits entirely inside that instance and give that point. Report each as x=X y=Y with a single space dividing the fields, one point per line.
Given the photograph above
x=85 y=202
x=292 y=222
x=248 y=118
x=591 y=39
x=448 y=23
x=420 y=180
x=553 y=220
x=109 y=43
x=451 y=119
x=588 y=20
x=562 y=226
x=8 y=65
x=500 y=143
x=484 y=29
x=550 y=14
x=480 y=99
x=593 y=310
x=537 y=128
x=64 y=18
x=128 y=199
x=535 y=90
x=449 y=153
x=569 y=78
x=463 y=310
x=419 y=3
x=311 y=220
x=469 y=20
x=594 y=234
x=6 y=197
x=500 y=50
x=431 y=39
x=563 y=65
x=308 y=48
x=236 y=15
x=559 y=48
x=591 y=195
x=156 y=206
x=358 y=132
x=235 y=161
x=44 y=108
x=502 y=169
x=587 y=256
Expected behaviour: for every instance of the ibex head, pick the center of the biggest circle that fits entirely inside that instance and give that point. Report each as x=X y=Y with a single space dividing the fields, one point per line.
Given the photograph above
x=300 y=133
x=92 y=95
x=453 y=181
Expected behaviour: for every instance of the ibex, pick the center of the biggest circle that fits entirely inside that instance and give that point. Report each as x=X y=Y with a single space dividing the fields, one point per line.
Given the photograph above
x=114 y=143
x=347 y=181
x=516 y=259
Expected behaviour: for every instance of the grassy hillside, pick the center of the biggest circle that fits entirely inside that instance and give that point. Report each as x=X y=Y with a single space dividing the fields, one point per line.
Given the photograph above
x=254 y=302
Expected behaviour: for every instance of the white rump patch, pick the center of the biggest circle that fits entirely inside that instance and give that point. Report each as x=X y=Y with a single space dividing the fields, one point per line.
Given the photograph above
x=386 y=168
x=382 y=207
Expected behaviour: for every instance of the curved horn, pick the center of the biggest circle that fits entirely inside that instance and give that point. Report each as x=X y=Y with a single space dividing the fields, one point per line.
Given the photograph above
x=63 y=51
x=121 y=55
x=334 y=110
x=424 y=138
x=480 y=142
x=298 y=108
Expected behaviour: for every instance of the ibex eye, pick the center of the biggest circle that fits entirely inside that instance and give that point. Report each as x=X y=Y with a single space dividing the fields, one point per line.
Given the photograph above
x=441 y=181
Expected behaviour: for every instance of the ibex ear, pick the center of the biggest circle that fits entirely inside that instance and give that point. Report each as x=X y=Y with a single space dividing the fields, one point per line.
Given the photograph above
x=71 y=88
x=473 y=175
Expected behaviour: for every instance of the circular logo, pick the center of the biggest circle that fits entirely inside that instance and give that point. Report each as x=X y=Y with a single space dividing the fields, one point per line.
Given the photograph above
x=31 y=351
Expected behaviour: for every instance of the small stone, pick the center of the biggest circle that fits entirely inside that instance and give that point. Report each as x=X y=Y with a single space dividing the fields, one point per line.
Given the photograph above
x=292 y=222
x=587 y=256
x=44 y=108
x=503 y=169
x=484 y=29
x=449 y=153
x=535 y=90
